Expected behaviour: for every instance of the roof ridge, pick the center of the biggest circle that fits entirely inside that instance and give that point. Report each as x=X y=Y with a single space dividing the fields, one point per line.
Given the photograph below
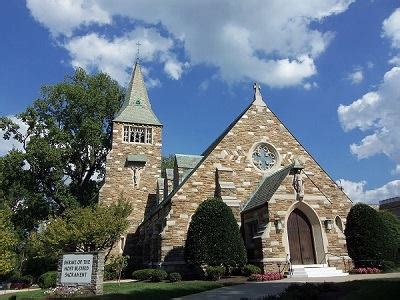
x=284 y=171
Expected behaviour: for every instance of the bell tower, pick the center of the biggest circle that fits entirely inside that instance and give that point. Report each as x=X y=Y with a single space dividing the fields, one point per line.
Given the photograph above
x=134 y=162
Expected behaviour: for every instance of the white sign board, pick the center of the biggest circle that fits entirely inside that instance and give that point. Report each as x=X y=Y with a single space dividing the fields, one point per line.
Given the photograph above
x=77 y=268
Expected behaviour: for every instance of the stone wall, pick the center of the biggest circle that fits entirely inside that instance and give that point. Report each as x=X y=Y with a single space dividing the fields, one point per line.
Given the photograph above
x=119 y=176
x=233 y=153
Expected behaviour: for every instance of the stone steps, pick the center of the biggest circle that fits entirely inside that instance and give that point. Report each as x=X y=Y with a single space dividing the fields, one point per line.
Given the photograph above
x=313 y=271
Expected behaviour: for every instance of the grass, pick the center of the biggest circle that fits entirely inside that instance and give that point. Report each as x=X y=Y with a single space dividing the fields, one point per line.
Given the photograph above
x=140 y=290
x=351 y=290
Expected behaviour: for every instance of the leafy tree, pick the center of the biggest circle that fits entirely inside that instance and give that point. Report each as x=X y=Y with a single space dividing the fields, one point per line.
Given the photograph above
x=65 y=145
x=167 y=162
x=8 y=245
x=392 y=236
x=365 y=235
x=82 y=229
x=213 y=237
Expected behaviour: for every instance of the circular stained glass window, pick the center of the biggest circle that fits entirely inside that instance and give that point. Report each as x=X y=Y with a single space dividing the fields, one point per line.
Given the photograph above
x=264 y=157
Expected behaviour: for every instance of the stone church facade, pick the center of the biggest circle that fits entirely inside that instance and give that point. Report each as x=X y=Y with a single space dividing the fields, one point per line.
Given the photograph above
x=287 y=206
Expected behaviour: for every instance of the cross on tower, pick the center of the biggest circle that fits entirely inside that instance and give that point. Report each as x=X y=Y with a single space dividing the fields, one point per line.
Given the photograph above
x=138 y=44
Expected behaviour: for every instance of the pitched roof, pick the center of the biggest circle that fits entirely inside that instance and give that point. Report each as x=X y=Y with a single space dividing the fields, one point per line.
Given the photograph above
x=267 y=188
x=187 y=161
x=136 y=107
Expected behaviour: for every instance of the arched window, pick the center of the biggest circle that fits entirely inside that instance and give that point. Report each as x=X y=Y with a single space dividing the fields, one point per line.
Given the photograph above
x=339 y=223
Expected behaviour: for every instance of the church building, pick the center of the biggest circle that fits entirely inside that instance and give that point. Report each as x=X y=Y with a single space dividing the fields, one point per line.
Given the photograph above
x=287 y=206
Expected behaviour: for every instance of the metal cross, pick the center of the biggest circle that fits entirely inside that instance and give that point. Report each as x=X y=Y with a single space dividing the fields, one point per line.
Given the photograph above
x=138 y=44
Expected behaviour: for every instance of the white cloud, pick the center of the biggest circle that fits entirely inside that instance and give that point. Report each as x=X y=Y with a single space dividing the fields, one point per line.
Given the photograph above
x=63 y=16
x=396 y=170
x=376 y=113
x=266 y=41
x=391 y=28
x=7 y=145
x=357 y=192
x=95 y=52
x=310 y=85
x=356 y=76
x=395 y=60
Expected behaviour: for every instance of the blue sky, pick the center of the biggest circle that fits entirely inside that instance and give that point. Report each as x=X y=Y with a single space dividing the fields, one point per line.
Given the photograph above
x=330 y=70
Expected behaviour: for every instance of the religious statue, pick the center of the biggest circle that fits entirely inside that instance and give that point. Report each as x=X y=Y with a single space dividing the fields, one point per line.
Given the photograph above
x=298 y=185
x=136 y=170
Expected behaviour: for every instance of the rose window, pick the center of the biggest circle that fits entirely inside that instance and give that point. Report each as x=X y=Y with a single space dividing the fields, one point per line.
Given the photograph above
x=263 y=157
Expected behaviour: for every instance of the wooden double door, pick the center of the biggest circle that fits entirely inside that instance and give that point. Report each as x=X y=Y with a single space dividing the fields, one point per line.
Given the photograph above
x=301 y=241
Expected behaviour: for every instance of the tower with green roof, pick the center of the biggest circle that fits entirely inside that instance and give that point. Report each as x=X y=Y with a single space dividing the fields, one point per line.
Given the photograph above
x=134 y=162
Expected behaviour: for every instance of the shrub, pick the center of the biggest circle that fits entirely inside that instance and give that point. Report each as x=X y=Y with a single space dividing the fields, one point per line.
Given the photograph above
x=268 y=276
x=20 y=282
x=215 y=273
x=174 y=277
x=388 y=266
x=158 y=275
x=365 y=271
x=69 y=291
x=144 y=274
x=248 y=270
x=213 y=236
x=115 y=267
x=48 y=280
x=391 y=233
x=364 y=235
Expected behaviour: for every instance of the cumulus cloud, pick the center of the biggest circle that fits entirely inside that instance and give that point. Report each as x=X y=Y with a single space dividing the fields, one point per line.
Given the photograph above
x=377 y=114
x=356 y=76
x=63 y=16
x=357 y=191
x=391 y=28
x=7 y=145
x=265 y=41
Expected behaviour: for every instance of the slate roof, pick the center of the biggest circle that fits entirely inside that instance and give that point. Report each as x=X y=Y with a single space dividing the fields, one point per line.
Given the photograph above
x=187 y=161
x=136 y=107
x=137 y=158
x=267 y=188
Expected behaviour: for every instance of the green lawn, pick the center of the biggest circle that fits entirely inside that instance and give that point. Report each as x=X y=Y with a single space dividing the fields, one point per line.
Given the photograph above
x=141 y=290
x=353 y=290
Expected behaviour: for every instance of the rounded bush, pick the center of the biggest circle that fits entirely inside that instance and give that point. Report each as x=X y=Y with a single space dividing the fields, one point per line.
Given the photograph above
x=158 y=275
x=372 y=237
x=214 y=237
x=215 y=273
x=174 y=277
x=48 y=280
x=144 y=274
x=248 y=270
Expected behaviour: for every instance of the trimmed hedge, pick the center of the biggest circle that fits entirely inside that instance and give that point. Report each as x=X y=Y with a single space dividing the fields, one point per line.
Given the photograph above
x=48 y=280
x=215 y=273
x=213 y=237
x=158 y=275
x=174 y=277
x=372 y=237
x=248 y=270
x=144 y=274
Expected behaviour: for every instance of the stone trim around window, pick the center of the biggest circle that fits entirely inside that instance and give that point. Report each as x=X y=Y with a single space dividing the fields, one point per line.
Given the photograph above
x=264 y=157
x=137 y=134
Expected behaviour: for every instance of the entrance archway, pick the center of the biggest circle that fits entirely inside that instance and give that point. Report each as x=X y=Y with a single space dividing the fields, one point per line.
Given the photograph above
x=301 y=240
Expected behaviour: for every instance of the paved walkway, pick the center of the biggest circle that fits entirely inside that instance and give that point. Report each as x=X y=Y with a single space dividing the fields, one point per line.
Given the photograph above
x=255 y=290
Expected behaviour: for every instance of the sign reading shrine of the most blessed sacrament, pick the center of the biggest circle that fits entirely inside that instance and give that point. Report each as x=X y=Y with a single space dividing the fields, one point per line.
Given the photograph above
x=286 y=204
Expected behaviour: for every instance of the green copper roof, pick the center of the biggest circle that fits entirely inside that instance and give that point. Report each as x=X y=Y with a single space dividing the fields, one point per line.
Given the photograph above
x=187 y=161
x=136 y=107
x=268 y=188
x=136 y=158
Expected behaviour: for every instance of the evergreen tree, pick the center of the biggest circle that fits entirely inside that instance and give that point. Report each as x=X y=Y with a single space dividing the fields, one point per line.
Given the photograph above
x=214 y=237
x=365 y=235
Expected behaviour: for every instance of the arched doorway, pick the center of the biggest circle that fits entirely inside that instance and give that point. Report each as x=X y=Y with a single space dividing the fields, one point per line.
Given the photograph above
x=301 y=240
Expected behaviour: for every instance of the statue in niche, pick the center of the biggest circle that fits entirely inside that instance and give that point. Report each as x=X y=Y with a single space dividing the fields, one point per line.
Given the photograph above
x=298 y=185
x=136 y=174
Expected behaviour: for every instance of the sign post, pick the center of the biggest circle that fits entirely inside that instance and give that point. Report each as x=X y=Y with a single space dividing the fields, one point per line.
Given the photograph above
x=82 y=269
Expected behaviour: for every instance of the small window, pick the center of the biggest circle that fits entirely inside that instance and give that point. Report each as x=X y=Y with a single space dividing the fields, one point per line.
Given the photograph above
x=141 y=135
